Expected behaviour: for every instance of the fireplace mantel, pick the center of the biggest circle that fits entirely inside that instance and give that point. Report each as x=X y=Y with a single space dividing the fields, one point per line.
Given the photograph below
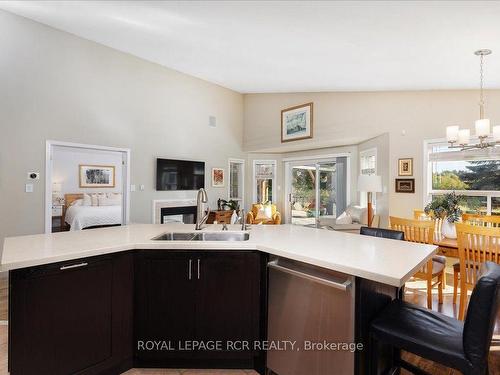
x=158 y=204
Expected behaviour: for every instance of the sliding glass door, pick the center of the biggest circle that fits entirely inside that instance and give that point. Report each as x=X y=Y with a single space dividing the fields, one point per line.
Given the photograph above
x=303 y=194
x=317 y=191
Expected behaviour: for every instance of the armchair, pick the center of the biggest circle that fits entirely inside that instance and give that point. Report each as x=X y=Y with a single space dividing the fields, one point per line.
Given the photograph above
x=253 y=215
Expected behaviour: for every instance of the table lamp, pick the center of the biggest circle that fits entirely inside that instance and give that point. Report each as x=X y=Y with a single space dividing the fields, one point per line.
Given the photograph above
x=370 y=184
x=57 y=196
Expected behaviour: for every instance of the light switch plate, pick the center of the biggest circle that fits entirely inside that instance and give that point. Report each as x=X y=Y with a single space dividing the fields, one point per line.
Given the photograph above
x=141 y=187
x=28 y=188
x=212 y=121
x=132 y=187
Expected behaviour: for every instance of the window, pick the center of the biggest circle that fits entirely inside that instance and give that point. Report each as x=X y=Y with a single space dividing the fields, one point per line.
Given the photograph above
x=236 y=180
x=264 y=181
x=473 y=173
x=367 y=165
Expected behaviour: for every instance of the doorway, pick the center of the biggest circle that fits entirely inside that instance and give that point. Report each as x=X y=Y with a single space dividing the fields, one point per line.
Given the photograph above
x=86 y=186
x=317 y=190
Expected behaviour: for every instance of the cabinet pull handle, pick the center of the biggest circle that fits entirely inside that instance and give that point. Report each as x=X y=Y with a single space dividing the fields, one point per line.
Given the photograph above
x=344 y=286
x=198 y=268
x=62 y=268
x=189 y=269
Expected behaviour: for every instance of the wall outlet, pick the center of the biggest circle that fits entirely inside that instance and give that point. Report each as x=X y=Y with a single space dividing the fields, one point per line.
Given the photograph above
x=212 y=121
x=33 y=175
x=28 y=188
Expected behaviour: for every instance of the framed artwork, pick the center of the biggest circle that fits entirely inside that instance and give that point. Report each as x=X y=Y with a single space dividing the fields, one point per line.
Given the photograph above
x=405 y=185
x=97 y=176
x=297 y=123
x=217 y=177
x=405 y=167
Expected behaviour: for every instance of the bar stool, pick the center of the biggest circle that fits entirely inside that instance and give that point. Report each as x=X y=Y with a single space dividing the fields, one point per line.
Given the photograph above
x=463 y=345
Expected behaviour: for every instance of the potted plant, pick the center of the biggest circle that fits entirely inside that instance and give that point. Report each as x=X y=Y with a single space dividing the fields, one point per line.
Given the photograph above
x=230 y=205
x=446 y=207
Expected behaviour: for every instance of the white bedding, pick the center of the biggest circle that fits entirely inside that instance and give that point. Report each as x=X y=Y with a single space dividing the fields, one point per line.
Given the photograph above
x=80 y=217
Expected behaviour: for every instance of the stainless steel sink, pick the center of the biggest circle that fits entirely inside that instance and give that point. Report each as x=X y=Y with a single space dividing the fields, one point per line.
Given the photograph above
x=204 y=236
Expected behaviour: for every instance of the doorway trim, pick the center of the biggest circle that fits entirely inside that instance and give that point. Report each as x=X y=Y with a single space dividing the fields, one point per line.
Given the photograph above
x=49 y=148
x=288 y=163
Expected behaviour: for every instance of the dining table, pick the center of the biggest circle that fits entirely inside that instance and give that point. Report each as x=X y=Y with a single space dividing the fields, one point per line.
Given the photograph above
x=446 y=246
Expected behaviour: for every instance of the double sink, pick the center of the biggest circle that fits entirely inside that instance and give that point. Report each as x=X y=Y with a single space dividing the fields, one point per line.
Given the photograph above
x=203 y=236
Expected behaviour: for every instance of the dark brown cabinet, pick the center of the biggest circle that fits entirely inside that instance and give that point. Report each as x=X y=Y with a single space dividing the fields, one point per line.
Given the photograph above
x=165 y=291
x=210 y=296
x=72 y=317
x=88 y=316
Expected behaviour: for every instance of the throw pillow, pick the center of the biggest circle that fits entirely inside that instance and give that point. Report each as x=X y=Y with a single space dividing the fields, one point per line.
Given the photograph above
x=344 y=218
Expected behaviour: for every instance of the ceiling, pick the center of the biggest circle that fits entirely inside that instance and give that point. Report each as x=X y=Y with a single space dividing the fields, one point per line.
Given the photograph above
x=292 y=46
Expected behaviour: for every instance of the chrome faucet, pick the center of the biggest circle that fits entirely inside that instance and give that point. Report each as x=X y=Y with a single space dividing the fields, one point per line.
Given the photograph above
x=200 y=218
x=242 y=219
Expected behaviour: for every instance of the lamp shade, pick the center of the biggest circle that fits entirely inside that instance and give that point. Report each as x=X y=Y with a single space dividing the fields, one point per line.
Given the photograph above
x=56 y=187
x=482 y=127
x=452 y=133
x=370 y=183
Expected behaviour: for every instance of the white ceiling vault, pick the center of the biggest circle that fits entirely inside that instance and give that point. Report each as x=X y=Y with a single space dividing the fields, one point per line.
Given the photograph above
x=294 y=46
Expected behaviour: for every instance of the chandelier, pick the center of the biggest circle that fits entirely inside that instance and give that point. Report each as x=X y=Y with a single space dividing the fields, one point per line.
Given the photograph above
x=461 y=138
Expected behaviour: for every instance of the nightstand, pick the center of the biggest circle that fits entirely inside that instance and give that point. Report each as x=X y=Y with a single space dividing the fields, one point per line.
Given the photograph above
x=57 y=218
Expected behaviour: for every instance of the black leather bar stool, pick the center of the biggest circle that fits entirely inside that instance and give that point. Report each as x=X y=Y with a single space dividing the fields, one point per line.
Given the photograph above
x=383 y=233
x=442 y=339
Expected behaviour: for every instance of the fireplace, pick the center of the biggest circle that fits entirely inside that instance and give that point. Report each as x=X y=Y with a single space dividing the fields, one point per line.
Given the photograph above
x=174 y=210
x=185 y=215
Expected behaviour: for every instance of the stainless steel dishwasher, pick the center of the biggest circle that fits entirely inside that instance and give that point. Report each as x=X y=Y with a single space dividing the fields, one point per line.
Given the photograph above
x=309 y=305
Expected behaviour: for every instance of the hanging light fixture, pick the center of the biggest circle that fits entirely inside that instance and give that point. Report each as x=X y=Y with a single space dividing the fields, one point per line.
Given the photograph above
x=461 y=138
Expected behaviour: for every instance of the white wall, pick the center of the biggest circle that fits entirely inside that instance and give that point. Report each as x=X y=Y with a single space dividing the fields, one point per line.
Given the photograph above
x=381 y=144
x=66 y=162
x=57 y=86
x=354 y=117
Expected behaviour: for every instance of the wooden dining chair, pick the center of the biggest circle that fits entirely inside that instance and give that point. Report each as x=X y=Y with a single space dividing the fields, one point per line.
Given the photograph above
x=482 y=220
x=418 y=214
x=421 y=215
x=422 y=231
x=476 y=245
x=476 y=220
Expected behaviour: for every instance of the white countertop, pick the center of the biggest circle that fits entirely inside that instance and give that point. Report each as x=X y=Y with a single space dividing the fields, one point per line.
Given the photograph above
x=387 y=261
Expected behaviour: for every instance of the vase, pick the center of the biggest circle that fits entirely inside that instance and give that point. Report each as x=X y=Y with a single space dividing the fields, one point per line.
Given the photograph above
x=448 y=229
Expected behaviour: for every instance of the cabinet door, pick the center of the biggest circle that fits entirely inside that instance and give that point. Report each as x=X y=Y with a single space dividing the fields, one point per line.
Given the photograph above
x=61 y=317
x=165 y=302
x=227 y=296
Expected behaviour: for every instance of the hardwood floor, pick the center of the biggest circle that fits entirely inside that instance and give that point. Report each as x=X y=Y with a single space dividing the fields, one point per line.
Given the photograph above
x=188 y=372
x=412 y=296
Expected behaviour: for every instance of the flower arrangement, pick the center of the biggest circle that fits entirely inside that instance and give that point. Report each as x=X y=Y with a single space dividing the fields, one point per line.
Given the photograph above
x=447 y=205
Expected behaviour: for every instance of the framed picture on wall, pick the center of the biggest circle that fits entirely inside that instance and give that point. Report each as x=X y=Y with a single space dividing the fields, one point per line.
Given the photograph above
x=97 y=176
x=405 y=167
x=297 y=123
x=217 y=177
x=405 y=185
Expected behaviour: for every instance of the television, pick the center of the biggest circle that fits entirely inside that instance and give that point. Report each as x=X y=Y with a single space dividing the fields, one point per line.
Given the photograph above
x=179 y=174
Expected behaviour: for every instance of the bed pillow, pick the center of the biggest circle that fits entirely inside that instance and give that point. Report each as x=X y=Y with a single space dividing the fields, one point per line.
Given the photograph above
x=95 y=199
x=344 y=218
x=78 y=202
x=87 y=200
x=110 y=199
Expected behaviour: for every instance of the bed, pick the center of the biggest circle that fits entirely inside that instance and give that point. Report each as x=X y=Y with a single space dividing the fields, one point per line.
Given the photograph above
x=80 y=217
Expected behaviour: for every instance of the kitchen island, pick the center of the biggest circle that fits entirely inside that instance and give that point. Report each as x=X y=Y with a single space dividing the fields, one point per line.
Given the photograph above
x=90 y=302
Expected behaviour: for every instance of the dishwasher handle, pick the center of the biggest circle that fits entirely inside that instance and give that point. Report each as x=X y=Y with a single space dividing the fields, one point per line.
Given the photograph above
x=341 y=286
